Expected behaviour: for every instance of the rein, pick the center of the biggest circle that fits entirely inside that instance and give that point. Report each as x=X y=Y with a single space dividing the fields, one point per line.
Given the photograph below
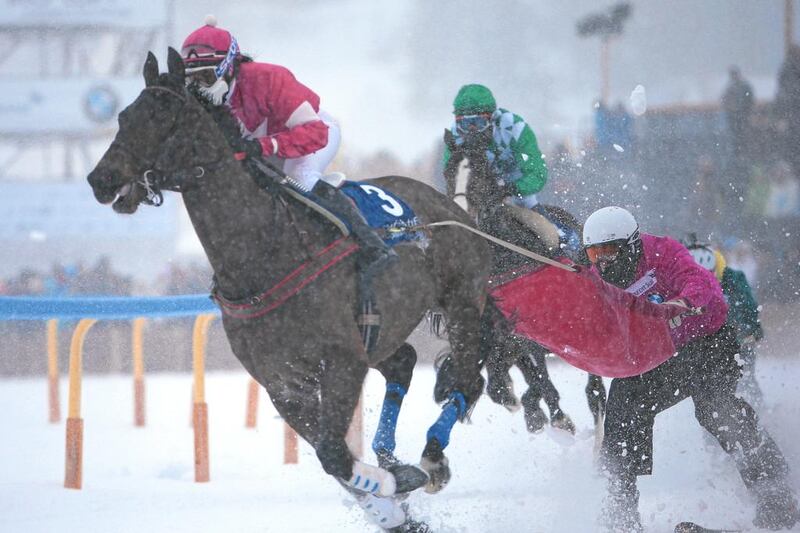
x=500 y=242
x=181 y=180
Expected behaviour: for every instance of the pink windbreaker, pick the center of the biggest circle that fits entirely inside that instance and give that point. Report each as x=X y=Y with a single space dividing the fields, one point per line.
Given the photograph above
x=677 y=275
x=263 y=99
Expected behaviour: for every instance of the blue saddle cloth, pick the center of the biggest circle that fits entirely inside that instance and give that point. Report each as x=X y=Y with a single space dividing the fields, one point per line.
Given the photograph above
x=384 y=210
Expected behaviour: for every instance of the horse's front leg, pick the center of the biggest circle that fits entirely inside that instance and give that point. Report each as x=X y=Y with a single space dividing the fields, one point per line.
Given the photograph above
x=459 y=384
x=340 y=387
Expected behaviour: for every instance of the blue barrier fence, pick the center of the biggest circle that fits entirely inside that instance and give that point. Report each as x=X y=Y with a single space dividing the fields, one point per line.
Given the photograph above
x=104 y=308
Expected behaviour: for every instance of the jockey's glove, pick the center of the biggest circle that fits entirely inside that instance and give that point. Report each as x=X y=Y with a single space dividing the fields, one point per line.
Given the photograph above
x=253 y=148
x=680 y=303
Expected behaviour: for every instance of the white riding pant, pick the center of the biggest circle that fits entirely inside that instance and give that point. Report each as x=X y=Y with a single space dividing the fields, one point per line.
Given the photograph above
x=309 y=169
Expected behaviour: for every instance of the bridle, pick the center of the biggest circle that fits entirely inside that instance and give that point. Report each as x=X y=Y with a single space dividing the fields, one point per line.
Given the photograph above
x=154 y=181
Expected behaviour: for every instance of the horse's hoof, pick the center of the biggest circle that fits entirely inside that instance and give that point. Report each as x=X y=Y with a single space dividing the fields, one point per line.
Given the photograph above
x=535 y=419
x=386 y=459
x=501 y=392
x=560 y=420
x=408 y=477
x=438 y=472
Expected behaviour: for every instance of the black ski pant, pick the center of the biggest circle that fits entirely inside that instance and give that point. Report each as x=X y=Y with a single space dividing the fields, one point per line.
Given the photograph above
x=707 y=371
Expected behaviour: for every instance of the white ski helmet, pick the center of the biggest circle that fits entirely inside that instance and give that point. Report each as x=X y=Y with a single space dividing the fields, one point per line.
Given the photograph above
x=610 y=224
x=705 y=257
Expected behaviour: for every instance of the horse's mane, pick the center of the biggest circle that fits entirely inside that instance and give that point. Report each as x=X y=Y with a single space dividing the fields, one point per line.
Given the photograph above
x=232 y=133
x=225 y=121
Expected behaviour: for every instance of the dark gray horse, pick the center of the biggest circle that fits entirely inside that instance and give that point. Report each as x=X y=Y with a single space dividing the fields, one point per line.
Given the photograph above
x=470 y=182
x=285 y=277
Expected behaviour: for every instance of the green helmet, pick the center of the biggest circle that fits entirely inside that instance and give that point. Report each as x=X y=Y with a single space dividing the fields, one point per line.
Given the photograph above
x=472 y=99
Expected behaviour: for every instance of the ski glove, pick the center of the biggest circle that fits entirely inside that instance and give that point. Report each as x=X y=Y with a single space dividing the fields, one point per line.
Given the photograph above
x=675 y=321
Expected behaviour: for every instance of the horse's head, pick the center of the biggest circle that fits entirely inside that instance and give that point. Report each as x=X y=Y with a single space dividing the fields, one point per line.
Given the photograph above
x=162 y=142
x=476 y=183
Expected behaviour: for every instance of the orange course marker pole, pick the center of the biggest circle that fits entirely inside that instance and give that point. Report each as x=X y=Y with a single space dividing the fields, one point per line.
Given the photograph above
x=138 y=372
x=73 y=472
x=252 y=404
x=52 y=371
x=200 y=408
x=289 y=445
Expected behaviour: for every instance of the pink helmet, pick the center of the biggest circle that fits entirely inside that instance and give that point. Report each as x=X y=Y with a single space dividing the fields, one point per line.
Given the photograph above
x=208 y=46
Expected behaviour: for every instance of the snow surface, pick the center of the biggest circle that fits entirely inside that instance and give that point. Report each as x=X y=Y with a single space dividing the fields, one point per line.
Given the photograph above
x=505 y=480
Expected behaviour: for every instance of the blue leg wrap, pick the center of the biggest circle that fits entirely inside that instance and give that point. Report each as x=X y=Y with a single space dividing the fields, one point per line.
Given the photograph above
x=453 y=410
x=384 y=435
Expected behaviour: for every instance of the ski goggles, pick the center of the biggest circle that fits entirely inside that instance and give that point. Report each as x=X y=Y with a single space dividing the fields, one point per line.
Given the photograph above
x=203 y=76
x=606 y=252
x=473 y=123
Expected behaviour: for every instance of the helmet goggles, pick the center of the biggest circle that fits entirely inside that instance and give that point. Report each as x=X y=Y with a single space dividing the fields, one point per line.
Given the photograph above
x=606 y=252
x=477 y=123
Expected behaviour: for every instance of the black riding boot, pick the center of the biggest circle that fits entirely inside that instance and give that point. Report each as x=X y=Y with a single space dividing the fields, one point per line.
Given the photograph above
x=373 y=251
x=373 y=255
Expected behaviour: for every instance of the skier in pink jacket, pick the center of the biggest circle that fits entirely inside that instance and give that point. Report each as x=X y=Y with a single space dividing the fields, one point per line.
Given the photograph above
x=280 y=117
x=704 y=368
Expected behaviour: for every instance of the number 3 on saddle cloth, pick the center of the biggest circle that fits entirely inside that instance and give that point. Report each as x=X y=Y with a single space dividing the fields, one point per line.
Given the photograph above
x=384 y=210
x=589 y=323
x=380 y=208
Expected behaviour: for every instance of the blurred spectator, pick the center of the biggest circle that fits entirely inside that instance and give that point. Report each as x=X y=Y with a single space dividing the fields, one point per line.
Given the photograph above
x=706 y=200
x=737 y=104
x=102 y=280
x=755 y=199
x=787 y=106
x=783 y=200
x=190 y=279
x=61 y=280
x=624 y=127
x=613 y=129
x=29 y=282
x=740 y=256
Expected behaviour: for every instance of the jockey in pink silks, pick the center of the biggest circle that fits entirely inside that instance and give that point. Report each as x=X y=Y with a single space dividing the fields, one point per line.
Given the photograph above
x=281 y=117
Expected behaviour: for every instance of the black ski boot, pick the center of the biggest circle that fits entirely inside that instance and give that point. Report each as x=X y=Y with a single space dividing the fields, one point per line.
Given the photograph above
x=620 y=512
x=764 y=471
x=776 y=507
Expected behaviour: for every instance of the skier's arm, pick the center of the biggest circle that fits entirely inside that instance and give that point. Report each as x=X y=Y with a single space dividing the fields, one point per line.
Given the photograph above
x=692 y=283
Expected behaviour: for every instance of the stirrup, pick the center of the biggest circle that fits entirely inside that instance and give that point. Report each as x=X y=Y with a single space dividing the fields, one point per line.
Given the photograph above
x=369 y=324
